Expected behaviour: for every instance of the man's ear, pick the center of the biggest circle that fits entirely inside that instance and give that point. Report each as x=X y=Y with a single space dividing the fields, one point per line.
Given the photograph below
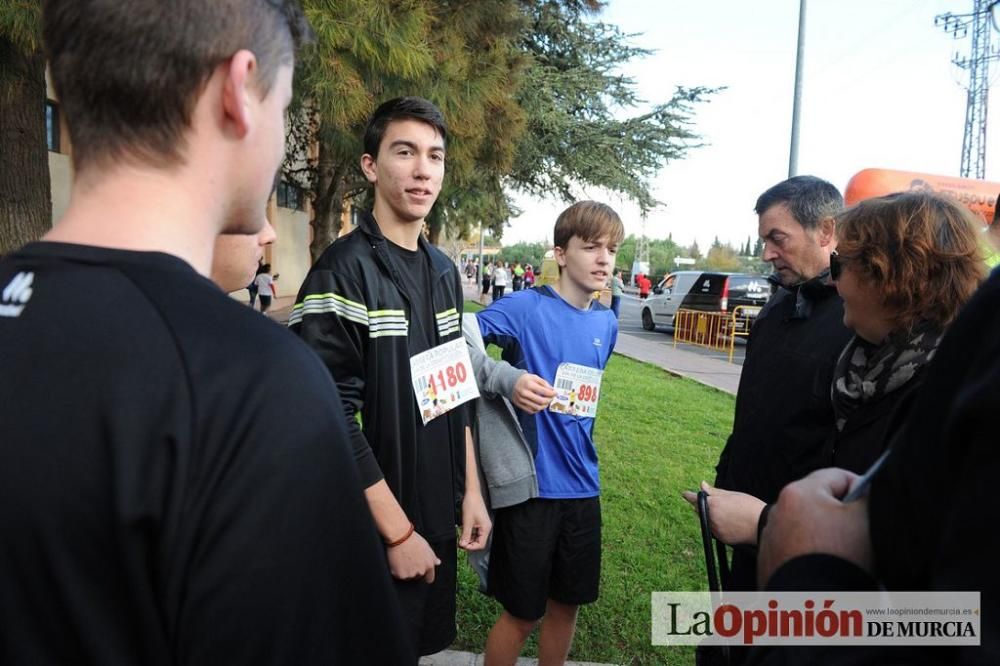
x=368 y=168
x=236 y=91
x=826 y=231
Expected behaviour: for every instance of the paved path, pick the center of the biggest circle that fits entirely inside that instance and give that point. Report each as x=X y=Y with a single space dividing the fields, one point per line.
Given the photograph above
x=719 y=374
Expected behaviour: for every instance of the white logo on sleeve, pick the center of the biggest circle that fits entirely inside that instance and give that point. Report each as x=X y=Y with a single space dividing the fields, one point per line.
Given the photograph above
x=16 y=294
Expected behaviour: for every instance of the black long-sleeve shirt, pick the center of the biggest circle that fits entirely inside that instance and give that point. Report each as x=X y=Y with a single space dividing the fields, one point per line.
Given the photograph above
x=176 y=481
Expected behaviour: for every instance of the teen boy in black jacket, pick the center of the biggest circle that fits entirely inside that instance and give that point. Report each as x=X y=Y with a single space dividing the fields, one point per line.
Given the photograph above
x=375 y=299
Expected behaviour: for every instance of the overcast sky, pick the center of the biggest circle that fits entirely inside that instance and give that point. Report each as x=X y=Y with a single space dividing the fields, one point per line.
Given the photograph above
x=879 y=90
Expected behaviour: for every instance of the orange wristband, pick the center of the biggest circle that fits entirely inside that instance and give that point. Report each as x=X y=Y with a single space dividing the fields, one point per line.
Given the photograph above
x=403 y=538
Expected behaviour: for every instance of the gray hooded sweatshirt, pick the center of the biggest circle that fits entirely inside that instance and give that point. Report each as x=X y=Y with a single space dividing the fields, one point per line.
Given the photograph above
x=505 y=458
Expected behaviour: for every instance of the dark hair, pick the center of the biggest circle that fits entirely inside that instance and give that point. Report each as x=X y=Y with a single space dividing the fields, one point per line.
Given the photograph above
x=591 y=221
x=918 y=251
x=402 y=108
x=809 y=199
x=128 y=74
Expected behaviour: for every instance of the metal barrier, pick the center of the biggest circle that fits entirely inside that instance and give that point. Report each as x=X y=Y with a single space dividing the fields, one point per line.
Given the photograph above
x=714 y=330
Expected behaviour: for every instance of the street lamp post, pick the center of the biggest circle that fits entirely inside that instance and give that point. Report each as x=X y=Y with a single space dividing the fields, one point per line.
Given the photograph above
x=793 y=153
x=482 y=266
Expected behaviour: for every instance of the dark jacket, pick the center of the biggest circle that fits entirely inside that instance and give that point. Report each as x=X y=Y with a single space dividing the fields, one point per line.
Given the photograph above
x=353 y=310
x=784 y=413
x=783 y=409
x=933 y=509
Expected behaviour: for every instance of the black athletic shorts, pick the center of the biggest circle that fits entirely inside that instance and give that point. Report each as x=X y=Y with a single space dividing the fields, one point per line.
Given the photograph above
x=546 y=549
x=429 y=610
x=486 y=286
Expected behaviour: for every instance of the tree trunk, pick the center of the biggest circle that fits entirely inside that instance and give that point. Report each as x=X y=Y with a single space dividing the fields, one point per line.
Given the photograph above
x=328 y=205
x=25 y=196
x=434 y=233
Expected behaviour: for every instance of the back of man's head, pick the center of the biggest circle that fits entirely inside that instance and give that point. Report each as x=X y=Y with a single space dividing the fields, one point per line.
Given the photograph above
x=128 y=74
x=402 y=108
x=808 y=199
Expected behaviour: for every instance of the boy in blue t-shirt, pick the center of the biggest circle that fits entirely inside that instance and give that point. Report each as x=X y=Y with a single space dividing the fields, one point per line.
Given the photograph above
x=546 y=555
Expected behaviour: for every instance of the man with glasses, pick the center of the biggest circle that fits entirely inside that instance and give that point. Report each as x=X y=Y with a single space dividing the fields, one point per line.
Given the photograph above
x=783 y=407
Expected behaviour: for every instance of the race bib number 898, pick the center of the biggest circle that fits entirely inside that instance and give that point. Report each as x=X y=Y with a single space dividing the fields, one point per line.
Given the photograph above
x=578 y=389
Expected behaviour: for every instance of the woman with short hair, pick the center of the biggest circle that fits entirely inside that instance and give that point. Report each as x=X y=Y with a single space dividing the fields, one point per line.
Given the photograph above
x=905 y=265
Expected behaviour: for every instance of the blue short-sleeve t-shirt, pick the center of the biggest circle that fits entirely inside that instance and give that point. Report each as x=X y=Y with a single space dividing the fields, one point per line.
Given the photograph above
x=537 y=331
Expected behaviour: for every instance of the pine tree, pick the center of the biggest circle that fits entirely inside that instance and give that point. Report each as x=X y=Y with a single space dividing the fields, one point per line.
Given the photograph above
x=573 y=98
x=25 y=199
x=461 y=56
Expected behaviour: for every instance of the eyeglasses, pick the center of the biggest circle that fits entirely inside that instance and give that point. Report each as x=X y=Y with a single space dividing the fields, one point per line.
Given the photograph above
x=836 y=265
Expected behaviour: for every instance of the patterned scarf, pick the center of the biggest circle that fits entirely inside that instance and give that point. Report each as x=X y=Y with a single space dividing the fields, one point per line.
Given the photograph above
x=866 y=372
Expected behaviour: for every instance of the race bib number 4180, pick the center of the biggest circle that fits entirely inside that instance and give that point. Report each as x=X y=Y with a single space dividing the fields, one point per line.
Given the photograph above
x=442 y=379
x=578 y=389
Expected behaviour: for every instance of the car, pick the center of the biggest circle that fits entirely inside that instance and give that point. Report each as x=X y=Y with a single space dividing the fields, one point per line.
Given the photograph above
x=706 y=292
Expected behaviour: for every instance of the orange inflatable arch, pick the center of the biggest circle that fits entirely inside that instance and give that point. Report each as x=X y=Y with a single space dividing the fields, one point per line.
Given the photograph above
x=980 y=196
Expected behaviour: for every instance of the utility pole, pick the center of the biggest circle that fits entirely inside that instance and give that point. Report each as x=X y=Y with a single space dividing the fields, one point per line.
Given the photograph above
x=978 y=64
x=482 y=266
x=793 y=152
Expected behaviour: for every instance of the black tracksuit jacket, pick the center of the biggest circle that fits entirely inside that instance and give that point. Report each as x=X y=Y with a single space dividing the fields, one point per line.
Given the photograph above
x=353 y=310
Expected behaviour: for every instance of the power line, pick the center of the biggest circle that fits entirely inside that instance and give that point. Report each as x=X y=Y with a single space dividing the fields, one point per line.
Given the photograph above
x=977 y=63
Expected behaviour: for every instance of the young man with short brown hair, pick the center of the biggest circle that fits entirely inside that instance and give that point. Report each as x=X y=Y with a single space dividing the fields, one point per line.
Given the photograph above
x=545 y=560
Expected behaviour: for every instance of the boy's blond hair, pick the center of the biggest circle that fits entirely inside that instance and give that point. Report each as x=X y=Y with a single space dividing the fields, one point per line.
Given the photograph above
x=591 y=221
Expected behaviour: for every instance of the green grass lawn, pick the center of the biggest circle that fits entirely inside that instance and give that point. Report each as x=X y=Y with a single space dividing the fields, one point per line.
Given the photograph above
x=656 y=435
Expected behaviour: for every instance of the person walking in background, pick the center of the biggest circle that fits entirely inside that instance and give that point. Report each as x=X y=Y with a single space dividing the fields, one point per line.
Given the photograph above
x=252 y=285
x=517 y=282
x=529 y=276
x=501 y=278
x=487 y=278
x=617 y=289
x=265 y=286
x=644 y=285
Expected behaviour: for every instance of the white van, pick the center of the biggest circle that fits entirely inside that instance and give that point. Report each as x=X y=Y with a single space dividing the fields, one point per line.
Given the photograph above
x=704 y=291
